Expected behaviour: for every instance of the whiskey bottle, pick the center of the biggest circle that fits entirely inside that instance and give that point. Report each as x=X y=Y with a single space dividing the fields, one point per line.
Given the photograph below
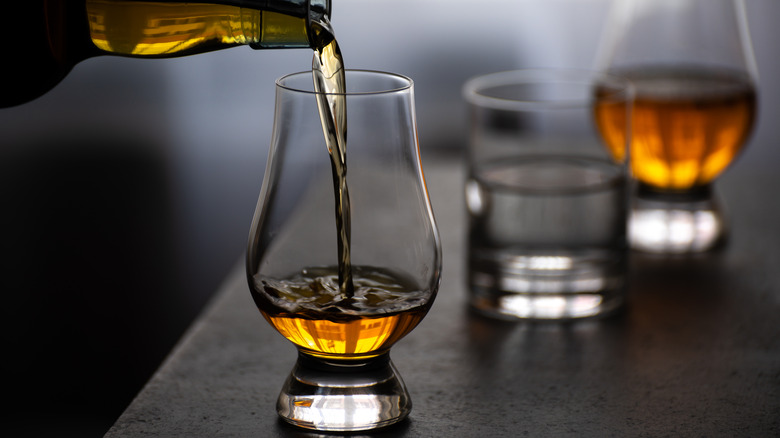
x=43 y=39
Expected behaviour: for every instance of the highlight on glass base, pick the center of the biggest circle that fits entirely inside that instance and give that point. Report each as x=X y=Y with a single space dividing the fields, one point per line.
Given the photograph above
x=685 y=223
x=343 y=395
x=551 y=287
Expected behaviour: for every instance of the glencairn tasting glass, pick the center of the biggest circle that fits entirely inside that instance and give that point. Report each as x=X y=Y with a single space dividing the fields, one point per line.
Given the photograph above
x=694 y=73
x=344 y=287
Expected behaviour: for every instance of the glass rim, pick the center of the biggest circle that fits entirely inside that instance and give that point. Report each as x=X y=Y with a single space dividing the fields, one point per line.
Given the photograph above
x=620 y=89
x=408 y=83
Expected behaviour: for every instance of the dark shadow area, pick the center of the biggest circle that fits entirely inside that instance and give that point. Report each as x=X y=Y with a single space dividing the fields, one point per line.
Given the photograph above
x=88 y=278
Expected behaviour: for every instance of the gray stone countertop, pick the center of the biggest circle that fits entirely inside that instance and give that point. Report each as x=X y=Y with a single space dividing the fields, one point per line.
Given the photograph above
x=696 y=352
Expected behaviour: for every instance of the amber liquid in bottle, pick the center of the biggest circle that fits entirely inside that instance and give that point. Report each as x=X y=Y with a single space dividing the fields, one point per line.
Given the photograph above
x=44 y=39
x=170 y=28
x=687 y=125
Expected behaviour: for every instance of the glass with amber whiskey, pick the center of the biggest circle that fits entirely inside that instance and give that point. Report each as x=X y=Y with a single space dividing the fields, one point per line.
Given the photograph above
x=694 y=75
x=344 y=264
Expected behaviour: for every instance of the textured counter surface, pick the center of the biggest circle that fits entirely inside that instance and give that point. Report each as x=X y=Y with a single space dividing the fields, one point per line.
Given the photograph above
x=696 y=352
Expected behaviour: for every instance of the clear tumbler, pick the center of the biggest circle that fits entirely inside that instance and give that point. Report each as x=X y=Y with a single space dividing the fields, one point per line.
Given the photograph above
x=546 y=199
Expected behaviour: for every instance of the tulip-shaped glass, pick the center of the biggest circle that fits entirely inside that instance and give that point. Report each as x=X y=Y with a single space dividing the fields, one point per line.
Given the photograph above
x=692 y=66
x=344 y=290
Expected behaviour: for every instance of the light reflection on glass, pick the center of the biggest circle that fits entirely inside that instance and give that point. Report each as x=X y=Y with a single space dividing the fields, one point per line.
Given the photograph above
x=550 y=307
x=474 y=198
x=549 y=263
x=674 y=231
x=321 y=412
x=543 y=274
x=539 y=262
x=544 y=285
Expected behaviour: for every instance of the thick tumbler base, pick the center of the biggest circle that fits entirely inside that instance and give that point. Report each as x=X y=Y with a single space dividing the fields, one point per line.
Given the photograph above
x=676 y=223
x=546 y=286
x=343 y=396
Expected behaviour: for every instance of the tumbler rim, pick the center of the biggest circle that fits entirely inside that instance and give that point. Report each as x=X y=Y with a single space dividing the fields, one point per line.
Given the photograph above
x=621 y=89
x=408 y=83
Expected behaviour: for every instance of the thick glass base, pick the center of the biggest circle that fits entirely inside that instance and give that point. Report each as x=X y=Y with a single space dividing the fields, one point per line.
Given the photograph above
x=547 y=286
x=343 y=396
x=676 y=223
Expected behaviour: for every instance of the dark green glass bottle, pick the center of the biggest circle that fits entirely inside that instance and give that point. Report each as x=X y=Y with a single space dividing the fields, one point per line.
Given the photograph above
x=42 y=40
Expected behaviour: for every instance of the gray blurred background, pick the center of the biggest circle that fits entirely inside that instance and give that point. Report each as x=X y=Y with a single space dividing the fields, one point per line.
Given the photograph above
x=128 y=190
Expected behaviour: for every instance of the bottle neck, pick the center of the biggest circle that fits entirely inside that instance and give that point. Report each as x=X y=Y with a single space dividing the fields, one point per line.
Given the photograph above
x=280 y=28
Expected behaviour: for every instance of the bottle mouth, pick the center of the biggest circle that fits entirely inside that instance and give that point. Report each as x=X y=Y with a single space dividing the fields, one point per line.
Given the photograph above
x=318 y=12
x=319 y=7
x=358 y=82
x=283 y=33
